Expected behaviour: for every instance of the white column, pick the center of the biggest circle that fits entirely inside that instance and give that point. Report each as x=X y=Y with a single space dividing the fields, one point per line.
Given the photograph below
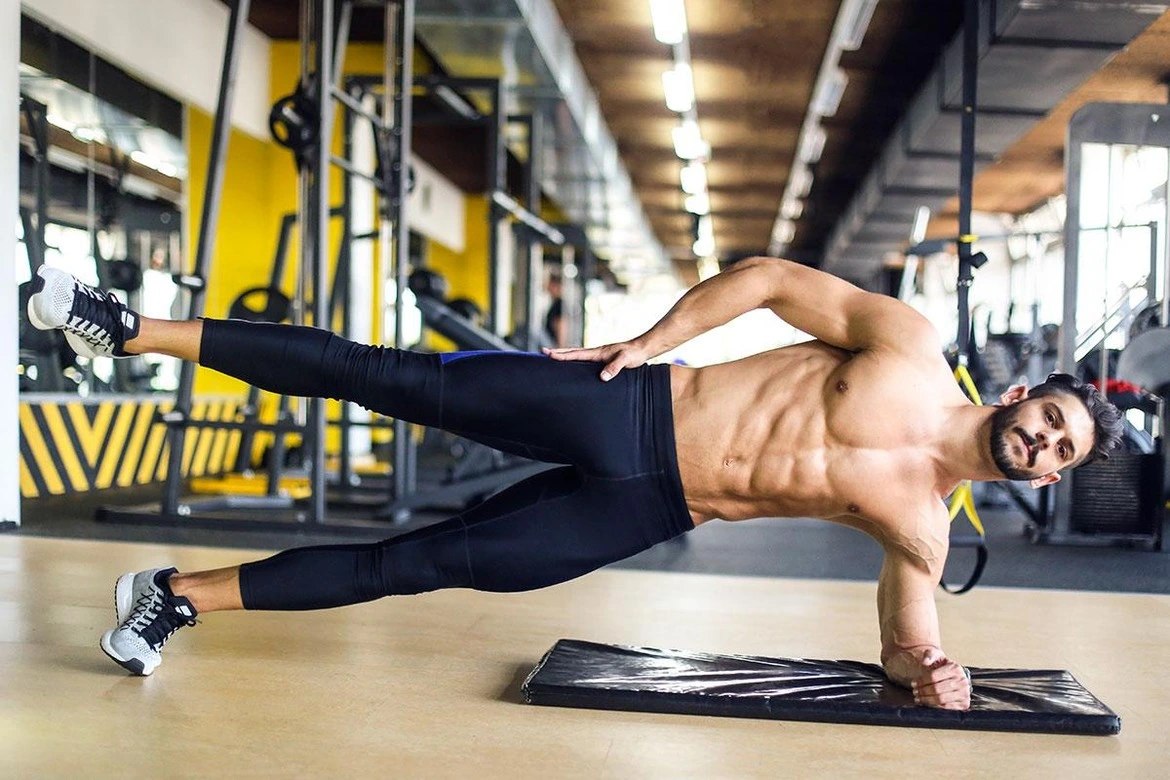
x=361 y=262
x=9 y=188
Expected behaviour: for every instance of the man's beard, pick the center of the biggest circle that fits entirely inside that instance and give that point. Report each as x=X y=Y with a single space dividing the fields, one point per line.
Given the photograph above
x=1003 y=430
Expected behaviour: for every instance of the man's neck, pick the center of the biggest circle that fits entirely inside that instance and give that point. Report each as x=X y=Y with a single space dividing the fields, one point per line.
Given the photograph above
x=964 y=451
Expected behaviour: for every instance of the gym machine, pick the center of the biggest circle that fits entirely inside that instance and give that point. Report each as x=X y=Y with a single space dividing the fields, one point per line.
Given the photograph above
x=304 y=123
x=1122 y=500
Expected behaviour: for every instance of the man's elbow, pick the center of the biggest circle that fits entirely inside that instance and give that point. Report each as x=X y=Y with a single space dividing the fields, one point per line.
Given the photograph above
x=767 y=275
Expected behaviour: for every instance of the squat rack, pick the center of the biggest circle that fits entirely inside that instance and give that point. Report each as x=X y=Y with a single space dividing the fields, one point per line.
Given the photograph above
x=306 y=118
x=303 y=122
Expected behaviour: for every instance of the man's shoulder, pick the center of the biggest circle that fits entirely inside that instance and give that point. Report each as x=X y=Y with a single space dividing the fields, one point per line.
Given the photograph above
x=919 y=532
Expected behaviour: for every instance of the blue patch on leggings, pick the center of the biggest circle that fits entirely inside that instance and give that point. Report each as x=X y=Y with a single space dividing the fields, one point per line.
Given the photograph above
x=447 y=357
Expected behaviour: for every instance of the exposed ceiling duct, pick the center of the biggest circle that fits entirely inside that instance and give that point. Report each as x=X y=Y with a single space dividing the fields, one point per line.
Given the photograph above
x=1032 y=53
x=524 y=43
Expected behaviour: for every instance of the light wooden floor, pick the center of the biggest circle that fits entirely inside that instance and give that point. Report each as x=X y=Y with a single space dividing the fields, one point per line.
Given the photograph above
x=427 y=686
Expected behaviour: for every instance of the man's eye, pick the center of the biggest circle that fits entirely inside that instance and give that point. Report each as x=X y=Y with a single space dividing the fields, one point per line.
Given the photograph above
x=1051 y=419
x=1062 y=451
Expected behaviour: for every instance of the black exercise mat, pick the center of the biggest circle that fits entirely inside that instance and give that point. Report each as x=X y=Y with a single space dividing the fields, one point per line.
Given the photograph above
x=612 y=677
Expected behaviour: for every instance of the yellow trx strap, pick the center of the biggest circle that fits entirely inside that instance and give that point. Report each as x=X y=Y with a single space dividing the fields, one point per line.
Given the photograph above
x=963 y=499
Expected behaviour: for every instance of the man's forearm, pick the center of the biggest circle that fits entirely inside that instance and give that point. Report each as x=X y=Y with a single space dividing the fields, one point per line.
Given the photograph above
x=742 y=288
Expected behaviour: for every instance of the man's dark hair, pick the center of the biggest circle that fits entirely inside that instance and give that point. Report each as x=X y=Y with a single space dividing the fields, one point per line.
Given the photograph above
x=1107 y=418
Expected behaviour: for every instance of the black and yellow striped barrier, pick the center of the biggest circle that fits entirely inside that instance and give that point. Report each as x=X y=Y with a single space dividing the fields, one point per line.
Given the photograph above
x=77 y=446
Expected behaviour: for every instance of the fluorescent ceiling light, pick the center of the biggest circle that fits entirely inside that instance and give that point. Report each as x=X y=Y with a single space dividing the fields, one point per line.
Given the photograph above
x=704 y=247
x=693 y=178
x=706 y=228
x=801 y=181
x=921 y=220
x=688 y=142
x=698 y=204
x=829 y=91
x=679 y=86
x=812 y=145
x=854 y=21
x=708 y=266
x=784 y=232
x=142 y=158
x=791 y=208
x=670 y=20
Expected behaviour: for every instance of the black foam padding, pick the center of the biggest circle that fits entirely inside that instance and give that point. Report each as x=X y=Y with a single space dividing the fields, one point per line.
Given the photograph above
x=612 y=677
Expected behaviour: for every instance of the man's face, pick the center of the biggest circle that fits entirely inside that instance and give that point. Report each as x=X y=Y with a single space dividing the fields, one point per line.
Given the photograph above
x=1036 y=437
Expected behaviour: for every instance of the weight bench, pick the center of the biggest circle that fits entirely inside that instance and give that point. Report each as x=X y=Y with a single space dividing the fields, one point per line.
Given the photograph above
x=612 y=677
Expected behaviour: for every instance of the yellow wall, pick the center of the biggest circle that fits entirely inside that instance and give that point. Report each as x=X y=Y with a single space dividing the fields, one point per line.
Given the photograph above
x=248 y=219
x=466 y=272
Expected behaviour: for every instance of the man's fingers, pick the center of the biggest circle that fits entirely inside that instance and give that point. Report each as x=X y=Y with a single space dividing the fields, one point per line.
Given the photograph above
x=569 y=353
x=945 y=687
x=938 y=680
x=941 y=688
x=611 y=370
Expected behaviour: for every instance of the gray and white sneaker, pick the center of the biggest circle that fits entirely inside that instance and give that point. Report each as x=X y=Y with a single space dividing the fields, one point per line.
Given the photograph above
x=148 y=615
x=96 y=323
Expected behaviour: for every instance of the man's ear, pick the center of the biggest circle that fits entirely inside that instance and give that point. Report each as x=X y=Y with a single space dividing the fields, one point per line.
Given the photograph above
x=1013 y=394
x=1047 y=479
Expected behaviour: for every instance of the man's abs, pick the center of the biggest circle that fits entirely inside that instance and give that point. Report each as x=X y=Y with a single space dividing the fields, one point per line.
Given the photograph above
x=804 y=431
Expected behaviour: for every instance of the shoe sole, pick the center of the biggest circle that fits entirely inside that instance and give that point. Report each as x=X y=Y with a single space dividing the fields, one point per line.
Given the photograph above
x=36 y=321
x=132 y=665
x=123 y=594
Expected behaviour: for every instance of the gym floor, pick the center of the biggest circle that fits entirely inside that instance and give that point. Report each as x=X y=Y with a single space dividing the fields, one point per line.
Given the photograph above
x=429 y=685
x=764 y=548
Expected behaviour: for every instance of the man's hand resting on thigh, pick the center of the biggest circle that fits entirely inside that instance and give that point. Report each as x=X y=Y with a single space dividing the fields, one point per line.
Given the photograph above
x=626 y=354
x=935 y=680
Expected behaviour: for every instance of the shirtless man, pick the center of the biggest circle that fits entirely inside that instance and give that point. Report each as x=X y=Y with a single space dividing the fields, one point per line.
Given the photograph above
x=864 y=426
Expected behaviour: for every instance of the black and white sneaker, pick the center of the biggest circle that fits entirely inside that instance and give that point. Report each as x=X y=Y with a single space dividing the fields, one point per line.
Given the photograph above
x=148 y=615
x=96 y=323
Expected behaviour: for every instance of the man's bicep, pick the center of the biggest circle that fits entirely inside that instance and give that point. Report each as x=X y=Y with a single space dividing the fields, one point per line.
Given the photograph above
x=906 y=610
x=832 y=310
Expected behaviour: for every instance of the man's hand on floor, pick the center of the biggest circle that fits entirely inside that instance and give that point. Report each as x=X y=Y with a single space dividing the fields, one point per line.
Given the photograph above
x=935 y=680
x=943 y=684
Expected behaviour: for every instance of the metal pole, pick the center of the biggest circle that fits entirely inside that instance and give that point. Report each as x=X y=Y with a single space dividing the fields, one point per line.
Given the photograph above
x=534 y=247
x=341 y=40
x=320 y=207
x=967 y=172
x=399 y=76
x=341 y=277
x=1152 y=278
x=496 y=180
x=39 y=127
x=176 y=435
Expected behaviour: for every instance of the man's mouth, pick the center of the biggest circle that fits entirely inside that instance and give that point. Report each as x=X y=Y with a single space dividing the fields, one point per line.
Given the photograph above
x=1028 y=447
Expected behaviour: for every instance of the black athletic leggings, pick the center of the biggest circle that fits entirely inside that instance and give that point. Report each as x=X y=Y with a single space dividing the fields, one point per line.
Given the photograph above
x=617 y=494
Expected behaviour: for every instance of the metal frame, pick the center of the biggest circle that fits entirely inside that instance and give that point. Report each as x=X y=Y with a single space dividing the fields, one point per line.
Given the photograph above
x=1138 y=124
x=37 y=115
x=324 y=32
x=195 y=283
